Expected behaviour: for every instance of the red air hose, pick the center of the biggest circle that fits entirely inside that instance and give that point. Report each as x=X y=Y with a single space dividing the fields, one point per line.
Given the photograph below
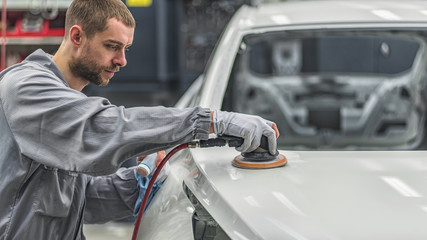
x=150 y=186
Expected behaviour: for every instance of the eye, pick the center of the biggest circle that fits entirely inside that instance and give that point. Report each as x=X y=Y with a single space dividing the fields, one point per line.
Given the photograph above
x=112 y=47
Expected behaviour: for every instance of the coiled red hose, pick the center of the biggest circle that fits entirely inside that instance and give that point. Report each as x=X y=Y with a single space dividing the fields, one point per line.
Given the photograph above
x=150 y=186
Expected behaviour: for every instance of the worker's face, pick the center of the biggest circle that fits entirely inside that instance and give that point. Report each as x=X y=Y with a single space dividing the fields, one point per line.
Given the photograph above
x=103 y=54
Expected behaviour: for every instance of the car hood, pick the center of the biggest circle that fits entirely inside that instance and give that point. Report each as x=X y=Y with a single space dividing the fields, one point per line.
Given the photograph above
x=317 y=195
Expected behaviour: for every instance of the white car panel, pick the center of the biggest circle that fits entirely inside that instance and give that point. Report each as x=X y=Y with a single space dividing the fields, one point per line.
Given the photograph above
x=330 y=12
x=317 y=195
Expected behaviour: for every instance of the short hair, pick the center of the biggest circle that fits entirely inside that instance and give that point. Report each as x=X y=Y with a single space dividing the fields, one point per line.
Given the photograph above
x=93 y=15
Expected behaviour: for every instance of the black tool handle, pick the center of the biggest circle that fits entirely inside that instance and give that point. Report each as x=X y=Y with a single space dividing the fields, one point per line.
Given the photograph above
x=222 y=141
x=231 y=141
x=212 y=142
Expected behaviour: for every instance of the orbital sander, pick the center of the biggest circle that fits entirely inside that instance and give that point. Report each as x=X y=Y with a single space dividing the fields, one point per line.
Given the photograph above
x=260 y=158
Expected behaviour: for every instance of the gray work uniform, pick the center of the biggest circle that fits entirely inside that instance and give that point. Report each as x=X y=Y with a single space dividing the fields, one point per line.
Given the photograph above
x=60 y=151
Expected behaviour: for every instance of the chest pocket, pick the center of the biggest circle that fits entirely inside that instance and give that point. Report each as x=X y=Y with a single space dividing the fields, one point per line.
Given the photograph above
x=54 y=193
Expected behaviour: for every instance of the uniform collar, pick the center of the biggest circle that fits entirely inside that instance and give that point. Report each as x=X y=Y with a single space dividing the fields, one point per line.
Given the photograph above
x=42 y=58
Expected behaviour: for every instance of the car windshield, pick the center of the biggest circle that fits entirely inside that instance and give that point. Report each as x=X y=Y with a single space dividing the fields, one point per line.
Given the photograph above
x=334 y=90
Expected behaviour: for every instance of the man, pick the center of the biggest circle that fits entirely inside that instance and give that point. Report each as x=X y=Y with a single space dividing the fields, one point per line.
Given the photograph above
x=58 y=145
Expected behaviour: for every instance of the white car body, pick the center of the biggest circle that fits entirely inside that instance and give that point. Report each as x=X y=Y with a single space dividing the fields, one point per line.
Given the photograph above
x=350 y=191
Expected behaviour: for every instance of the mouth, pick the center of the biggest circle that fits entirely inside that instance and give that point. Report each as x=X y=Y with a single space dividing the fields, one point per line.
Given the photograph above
x=110 y=74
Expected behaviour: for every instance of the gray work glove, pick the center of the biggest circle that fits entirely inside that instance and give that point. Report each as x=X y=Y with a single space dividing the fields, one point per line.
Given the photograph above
x=249 y=127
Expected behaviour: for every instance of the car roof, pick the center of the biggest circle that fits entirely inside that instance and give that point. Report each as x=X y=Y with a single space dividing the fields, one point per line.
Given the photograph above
x=332 y=12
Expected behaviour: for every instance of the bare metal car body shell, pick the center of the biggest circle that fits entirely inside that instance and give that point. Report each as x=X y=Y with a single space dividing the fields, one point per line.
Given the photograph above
x=318 y=194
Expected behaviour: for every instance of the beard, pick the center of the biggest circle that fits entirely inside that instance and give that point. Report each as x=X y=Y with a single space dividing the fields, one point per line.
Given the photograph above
x=88 y=69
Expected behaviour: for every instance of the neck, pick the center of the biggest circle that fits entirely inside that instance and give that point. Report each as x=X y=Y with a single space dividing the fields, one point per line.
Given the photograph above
x=62 y=59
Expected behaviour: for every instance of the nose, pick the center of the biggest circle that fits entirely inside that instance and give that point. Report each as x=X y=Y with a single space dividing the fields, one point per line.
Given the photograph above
x=120 y=58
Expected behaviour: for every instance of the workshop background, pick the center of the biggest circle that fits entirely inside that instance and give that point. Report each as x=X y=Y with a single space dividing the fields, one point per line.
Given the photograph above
x=173 y=41
x=172 y=44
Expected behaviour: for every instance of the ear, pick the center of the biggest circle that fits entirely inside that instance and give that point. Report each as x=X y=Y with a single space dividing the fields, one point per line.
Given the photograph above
x=76 y=35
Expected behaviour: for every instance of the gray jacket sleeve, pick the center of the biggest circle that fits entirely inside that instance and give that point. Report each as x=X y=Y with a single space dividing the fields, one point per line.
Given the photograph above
x=116 y=191
x=63 y=128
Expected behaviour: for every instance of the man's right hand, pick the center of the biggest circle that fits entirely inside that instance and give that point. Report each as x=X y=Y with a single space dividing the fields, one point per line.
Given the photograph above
x=249 y=127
